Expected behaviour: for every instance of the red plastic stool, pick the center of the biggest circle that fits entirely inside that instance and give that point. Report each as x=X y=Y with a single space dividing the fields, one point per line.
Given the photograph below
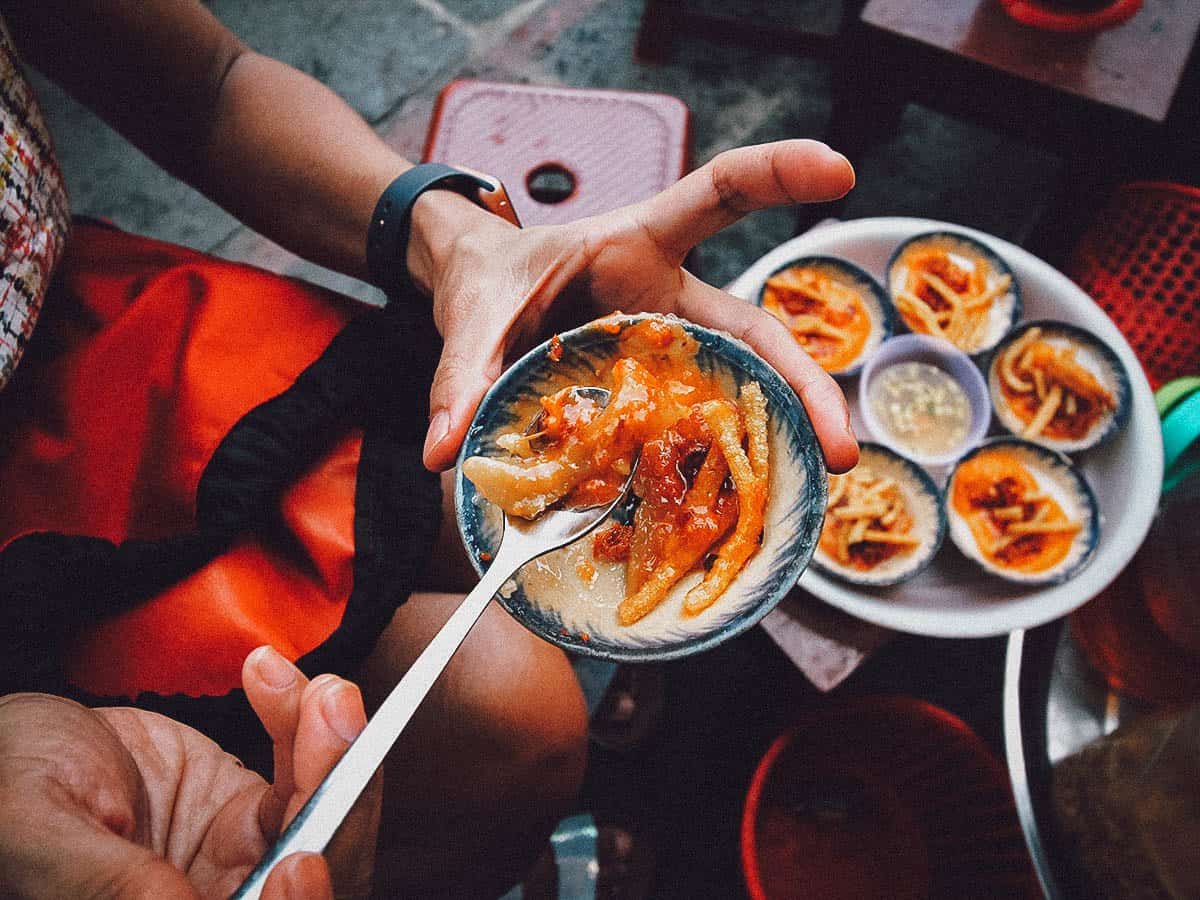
x=1059 y=17
x=562 y=153
x=1140 y=261
x=882 y=797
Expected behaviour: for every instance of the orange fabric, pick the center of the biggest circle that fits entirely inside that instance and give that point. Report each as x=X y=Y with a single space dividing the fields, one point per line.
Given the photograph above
x=146 y=356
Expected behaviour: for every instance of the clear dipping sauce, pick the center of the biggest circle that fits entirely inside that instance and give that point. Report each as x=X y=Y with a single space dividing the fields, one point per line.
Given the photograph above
x=921 y=407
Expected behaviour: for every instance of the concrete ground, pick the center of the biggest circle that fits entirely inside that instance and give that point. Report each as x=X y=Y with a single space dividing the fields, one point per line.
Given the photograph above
x=389 y=58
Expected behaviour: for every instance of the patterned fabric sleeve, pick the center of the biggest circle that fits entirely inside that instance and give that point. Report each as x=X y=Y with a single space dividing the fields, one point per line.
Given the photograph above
x=34 y=214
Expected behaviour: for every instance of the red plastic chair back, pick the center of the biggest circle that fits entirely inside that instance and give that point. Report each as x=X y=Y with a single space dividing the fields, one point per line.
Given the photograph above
x=1140 y=261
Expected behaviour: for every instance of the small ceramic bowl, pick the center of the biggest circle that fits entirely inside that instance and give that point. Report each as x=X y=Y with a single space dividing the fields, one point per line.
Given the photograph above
x=1055 y=476
x=969 y=254
x=1091 y=353
x=874 y=300
x=570 y=599
x=923 y=501
x=920 y=348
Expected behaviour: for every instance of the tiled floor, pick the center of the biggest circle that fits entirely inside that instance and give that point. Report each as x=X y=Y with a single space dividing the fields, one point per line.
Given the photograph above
x=683 y=789
x=390 y=59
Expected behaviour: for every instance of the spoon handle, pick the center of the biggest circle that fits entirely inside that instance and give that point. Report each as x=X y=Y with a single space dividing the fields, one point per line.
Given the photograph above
x=319 y=818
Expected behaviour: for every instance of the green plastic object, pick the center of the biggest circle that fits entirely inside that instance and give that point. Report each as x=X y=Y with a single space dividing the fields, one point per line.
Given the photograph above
x=1173 y=391
x=1181 y=450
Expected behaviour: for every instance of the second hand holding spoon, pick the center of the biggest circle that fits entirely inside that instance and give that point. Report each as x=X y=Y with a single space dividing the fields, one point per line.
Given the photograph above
x=524 y=540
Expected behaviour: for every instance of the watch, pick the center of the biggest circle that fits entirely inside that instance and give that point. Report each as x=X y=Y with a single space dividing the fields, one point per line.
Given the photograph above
x=391 y=223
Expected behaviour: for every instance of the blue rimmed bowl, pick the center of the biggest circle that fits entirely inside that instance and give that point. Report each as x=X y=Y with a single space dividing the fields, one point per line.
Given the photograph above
x=968 y=253
x=1055 y=476
x=874 y=298
x=1094 y=355
x=570 y=599
x=923 y=501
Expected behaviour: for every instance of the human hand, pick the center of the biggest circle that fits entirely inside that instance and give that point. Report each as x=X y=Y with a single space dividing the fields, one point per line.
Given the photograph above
x=122 y=803
x=497 y=289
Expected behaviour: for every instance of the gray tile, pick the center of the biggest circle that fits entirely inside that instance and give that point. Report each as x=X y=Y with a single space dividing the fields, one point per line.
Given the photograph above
x=731 y=91
x=106 y=177
x=814 y=16
x=735 y=95
x=478 y=11
x=371 y=52
x=943 y=168
x=721 y=259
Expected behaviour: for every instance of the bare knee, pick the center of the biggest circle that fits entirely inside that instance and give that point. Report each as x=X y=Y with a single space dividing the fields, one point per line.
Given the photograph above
x=492 y=759
x=520 y=699
x=505 y=727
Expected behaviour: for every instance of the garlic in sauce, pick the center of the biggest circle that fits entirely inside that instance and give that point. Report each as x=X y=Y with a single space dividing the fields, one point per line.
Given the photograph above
x=921 y=407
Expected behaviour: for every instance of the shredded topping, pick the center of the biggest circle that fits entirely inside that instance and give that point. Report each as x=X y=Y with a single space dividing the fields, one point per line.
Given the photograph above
x=1049 y=390
x=947 y=300
x=826 y=316
x=867 y=521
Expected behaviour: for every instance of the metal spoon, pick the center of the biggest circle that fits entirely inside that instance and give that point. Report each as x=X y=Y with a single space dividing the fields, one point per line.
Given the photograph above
x=524 y=540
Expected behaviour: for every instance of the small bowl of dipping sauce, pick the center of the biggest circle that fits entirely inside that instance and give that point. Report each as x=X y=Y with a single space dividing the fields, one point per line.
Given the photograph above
x=924 y=398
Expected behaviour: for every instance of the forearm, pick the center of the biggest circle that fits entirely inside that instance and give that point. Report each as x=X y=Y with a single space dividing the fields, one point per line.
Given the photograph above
x=290 y=159
x=272 y=145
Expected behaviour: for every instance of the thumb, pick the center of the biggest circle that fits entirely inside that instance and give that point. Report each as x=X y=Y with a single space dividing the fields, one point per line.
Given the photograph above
x=301 y=876
x=142 y=876
x=467 y=369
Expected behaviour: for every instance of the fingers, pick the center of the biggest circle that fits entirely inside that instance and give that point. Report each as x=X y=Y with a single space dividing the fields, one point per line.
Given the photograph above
x=469 y=365
x=822 y=398
x=274 y=688
x=740 y=181
x=479 y=330
x=331 y=717
x=311 y=725
x=301 y=876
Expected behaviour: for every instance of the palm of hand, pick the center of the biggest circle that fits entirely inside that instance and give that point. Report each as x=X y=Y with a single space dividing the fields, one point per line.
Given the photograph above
x=504 y=289
x=127 y=803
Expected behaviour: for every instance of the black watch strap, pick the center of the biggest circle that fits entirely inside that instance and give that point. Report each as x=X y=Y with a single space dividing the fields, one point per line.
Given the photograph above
x=391 y=224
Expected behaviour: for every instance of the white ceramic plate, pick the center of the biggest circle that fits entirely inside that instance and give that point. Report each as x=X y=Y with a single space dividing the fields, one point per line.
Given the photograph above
x=953 y=597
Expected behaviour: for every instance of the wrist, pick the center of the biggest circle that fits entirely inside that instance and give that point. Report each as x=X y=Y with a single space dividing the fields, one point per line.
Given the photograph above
x=422 y=216
x=439 y=219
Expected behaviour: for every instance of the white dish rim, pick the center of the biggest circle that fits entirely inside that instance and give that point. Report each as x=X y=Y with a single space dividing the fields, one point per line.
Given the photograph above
x=1125 y=533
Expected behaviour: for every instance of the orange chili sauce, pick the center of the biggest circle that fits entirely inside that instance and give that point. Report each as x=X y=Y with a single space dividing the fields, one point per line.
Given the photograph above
x=938 y=262
x=669 y=456
x=1062 y=426
x=831 y=354
x=995 y=479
